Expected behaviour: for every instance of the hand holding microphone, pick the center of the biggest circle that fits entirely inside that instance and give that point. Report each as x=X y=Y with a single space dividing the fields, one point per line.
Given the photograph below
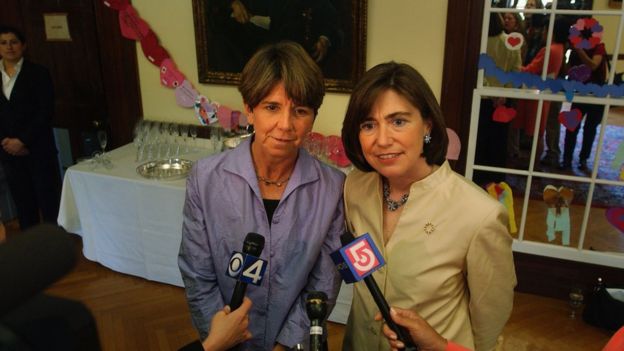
x=419 y=330
x=357 y=260
x=228 y=328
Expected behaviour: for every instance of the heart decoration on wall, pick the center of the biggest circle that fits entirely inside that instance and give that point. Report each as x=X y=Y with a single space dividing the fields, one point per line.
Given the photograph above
x=131 y=25
x=454 y=145
x=504 y=114
x=615 y=216
x=580 y=73
x=586 y=33
x=514 y=41
x=170 y=76
x=571 y=119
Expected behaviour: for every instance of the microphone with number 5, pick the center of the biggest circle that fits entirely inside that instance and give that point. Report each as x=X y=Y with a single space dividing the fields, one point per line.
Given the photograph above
x=357 y=260
x=246 y=267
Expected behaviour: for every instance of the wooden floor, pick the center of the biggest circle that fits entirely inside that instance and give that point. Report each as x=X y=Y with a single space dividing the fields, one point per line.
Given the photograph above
x=136 y=314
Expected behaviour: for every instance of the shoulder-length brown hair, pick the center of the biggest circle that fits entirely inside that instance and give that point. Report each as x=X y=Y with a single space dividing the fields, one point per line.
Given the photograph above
x=286 y=62
x=407 y=82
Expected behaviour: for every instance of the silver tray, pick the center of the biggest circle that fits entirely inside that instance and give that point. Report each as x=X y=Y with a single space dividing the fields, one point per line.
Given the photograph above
x=169 y=169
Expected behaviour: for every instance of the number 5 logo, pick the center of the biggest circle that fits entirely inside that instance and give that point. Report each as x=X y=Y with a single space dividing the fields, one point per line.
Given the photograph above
x=362 y=256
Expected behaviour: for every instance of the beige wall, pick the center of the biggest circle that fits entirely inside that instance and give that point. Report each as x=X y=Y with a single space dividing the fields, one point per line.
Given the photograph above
x=609 y=35
x=401 y=30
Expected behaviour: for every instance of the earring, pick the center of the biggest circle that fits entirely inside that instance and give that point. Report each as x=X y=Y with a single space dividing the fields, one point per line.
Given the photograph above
x=427 y=138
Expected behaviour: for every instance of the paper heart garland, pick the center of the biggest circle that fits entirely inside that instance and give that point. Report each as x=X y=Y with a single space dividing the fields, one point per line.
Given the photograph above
x=185 y=94
x=116 y=4
x=205 y=110
x=131 y=25
x=155 y=53
x=169 y=74
x=571 y=119
x=504 y=114
x=336 y=151
x=569 y=88
x=514 y=41
x=615 y=216
x=224 y=114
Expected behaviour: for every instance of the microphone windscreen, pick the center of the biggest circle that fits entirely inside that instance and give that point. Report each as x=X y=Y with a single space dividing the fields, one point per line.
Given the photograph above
x=346 y=238
x=31 y=261
x=254 y=244
x=316 y=305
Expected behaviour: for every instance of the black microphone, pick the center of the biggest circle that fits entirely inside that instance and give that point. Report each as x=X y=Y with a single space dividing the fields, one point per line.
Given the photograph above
x=31 y=261
x=253 y=245
x=316 y=308
x=402 y=333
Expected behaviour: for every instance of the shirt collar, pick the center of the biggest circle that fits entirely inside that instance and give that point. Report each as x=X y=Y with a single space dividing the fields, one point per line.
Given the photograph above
x=18 y=67
x=241 y=164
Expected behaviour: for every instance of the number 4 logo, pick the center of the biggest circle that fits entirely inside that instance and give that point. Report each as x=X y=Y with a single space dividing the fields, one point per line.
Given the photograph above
x=254 y=272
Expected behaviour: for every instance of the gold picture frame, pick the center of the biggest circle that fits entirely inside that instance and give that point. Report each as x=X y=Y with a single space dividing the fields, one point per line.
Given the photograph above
x=225 y=42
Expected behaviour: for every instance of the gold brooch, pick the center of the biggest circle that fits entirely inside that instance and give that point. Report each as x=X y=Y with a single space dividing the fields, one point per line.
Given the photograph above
x=429 y=228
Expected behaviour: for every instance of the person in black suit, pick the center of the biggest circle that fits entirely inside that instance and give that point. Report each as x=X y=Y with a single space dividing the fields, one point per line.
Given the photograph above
x=28 y=154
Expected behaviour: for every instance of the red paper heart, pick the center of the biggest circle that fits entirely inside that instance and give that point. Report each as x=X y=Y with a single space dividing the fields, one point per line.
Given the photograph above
x=336 y=151
x=615 y=216
x=504 y=114
x=571 y=119
x=513 y=41
x=155 y=53
x=132 y=26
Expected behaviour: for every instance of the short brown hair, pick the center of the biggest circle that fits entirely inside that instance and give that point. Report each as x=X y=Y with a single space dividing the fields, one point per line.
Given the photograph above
x=407 y=82
x=286 y=62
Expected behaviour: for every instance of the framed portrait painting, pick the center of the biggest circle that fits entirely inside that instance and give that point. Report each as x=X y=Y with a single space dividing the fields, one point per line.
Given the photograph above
x=333 y=32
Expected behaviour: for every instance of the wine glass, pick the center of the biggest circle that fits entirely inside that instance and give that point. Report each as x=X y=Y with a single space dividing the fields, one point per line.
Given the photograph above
x=138 y=139
x=184 y=131
x=193 y=132
x=174 y=130
x=103 y=139
x=215 y=137
x=575 y=301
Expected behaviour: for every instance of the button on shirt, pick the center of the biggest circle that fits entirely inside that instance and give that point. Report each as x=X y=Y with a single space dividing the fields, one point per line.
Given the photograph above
x=223 y=204
x=8 y=82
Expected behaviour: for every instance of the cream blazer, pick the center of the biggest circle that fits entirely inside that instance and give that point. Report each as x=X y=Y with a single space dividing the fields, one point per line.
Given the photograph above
x=449 y=259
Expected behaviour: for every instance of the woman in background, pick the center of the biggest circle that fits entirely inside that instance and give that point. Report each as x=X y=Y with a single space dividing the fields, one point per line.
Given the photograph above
x=445 y=240
x=28 y=154
x=492 y=137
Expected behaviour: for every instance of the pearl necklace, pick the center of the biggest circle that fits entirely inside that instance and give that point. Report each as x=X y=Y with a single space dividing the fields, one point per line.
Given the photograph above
x=277 y=183
x=391 y=204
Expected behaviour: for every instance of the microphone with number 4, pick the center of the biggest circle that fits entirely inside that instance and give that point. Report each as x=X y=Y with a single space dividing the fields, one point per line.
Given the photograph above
x=246 y=267
x=316 y=308
x=357 y=260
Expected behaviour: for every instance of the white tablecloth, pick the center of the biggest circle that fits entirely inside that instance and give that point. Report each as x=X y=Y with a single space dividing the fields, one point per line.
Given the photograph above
x=131 y=224
x=127 y=223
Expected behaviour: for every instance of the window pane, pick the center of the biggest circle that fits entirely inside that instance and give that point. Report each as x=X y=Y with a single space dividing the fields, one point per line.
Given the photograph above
x=611 y=164
x=605 y=228
x=555 y=211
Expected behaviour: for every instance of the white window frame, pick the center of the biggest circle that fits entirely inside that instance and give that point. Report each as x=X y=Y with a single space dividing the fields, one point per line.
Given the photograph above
x=613 y=259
